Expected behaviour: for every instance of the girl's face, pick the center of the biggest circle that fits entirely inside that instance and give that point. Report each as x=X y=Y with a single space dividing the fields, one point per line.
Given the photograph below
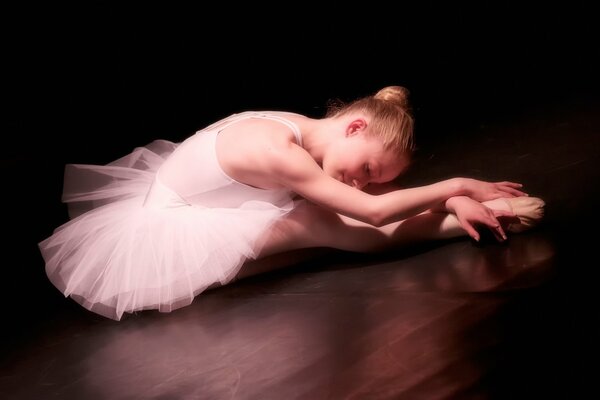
x=359 y=159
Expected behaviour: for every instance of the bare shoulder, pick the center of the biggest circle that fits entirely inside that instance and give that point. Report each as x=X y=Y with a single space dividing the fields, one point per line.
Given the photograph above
x=253 y=150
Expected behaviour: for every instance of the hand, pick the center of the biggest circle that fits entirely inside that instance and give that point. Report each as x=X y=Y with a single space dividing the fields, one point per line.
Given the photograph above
x=471 y=213
x=484 y=191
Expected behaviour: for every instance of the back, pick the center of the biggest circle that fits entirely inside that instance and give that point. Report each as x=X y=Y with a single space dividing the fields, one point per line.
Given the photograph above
x=194 y=170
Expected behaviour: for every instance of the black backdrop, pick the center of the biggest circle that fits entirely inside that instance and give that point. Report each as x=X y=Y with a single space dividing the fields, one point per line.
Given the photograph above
x=91 y=82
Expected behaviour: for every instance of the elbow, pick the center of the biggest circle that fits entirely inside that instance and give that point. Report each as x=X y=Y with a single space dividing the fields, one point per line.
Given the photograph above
x=379 y=222
x=376 y=218
x=372 y=211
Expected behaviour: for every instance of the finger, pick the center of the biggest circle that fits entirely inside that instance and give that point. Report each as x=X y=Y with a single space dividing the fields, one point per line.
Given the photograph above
x=497 y=235
x=496 y=228
x=501 y=231
x=511 y=184
x=514 y=192
x=471 y=232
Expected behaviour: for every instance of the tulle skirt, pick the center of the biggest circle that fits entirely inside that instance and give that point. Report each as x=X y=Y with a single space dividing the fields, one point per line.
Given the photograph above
x=133 y=244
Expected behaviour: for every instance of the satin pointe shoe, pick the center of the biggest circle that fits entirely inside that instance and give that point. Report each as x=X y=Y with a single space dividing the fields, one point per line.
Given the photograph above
x=528 y=210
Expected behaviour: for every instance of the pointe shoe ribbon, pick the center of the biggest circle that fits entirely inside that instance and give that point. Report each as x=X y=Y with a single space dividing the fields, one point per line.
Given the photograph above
x=529 y=211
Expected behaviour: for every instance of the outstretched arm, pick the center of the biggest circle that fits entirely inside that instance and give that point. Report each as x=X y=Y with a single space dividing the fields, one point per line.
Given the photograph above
x=294 y=168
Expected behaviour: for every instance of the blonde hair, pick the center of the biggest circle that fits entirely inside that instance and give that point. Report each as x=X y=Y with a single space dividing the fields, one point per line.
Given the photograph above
x=391 y=117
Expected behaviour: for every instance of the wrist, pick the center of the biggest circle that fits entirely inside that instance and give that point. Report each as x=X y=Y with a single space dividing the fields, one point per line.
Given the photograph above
x=453 y=202
x=457 y=187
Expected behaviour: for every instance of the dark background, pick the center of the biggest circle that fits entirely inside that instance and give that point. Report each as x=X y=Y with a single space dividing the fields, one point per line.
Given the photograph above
x=88 y=84
x=88 y=80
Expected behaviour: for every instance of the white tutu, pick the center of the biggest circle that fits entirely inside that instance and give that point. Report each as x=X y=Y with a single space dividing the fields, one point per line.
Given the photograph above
x=134 y=244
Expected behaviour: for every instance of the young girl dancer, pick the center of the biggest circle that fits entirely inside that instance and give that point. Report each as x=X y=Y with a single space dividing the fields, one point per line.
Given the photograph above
x=157 y=227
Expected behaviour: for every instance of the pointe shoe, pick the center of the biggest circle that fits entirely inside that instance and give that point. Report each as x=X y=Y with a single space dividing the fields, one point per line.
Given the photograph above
x=529 y=211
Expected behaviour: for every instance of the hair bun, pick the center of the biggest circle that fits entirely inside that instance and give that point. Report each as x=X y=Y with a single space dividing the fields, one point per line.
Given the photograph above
x=394 y=94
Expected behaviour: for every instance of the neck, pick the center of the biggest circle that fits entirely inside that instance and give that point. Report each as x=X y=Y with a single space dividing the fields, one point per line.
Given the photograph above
x=318 y=134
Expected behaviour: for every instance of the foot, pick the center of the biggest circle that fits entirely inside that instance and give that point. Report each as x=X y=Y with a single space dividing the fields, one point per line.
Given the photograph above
x=528 y=211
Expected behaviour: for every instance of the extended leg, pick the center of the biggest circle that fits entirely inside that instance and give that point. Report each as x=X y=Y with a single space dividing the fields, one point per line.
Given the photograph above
x=308 y=229
x=310 y=226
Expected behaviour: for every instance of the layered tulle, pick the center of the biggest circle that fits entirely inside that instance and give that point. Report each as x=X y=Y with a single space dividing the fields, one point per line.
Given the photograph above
x=133 y=244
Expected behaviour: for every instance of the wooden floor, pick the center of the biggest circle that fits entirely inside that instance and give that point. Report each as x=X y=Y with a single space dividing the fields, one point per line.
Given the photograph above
x=446 y=320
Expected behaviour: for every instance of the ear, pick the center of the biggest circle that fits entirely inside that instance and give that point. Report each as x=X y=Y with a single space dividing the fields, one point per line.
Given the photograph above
x=356 y=126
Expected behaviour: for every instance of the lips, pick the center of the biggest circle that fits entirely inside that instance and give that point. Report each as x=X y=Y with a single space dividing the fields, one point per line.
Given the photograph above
x=343 y=180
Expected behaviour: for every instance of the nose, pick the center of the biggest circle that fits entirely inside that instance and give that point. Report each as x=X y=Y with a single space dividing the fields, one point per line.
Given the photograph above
x=359 y=184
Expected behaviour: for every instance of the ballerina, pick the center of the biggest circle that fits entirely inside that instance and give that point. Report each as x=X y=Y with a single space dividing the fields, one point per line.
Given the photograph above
x=157 y=227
